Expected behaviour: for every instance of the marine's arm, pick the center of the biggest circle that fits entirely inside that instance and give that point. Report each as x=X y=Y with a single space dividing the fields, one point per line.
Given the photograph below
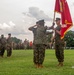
x=30 y=28
x=48 y=28
x=57 y=31
x=52 y=39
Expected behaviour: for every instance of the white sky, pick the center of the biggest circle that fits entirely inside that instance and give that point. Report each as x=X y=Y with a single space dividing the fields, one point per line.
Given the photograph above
x=13 y=21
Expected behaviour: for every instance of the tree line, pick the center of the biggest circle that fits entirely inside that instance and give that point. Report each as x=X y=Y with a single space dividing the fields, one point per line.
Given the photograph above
x=18 y=44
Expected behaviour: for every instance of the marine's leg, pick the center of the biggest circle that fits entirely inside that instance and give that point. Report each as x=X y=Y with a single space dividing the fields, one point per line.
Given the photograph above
x=41 y=55
x=10 y=52
x=57 y=53
x=3 y=50
x=36 y=55
x=61 y=60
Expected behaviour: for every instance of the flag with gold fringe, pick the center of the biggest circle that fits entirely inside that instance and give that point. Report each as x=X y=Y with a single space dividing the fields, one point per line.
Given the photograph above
x=62 y=7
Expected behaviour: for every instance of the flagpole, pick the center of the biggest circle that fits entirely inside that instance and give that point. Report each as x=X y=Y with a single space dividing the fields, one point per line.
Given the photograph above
x=53 y=22
x=54 y=17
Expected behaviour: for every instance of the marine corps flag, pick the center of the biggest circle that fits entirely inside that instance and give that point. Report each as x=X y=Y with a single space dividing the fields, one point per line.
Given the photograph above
x=61 y=6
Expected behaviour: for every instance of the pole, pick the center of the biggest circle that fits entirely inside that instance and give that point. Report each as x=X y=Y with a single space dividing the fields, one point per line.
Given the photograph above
x=54 y=16
x=53 y=19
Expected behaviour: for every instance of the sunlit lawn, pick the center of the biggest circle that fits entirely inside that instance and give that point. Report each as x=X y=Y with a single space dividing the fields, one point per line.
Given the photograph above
x=21 y=63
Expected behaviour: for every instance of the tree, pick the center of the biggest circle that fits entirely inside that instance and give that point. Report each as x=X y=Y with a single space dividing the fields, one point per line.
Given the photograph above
x=16 y=40
x=48 y=39
x=69 y=38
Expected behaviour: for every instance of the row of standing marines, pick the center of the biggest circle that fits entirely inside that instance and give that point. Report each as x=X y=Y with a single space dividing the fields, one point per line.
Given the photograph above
x=5 y=44
x=40 y=43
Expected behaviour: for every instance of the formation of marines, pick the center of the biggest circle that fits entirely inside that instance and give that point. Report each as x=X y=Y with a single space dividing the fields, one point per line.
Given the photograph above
x=6 y=44
x=40 y=43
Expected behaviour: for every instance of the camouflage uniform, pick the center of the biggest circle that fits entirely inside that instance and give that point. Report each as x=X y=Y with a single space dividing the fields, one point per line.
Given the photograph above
x=39 y=44
x=9 y=46
x=2 y=46
x=59 y=45
x=25 y=44
x=35 y=52
x=39 y=53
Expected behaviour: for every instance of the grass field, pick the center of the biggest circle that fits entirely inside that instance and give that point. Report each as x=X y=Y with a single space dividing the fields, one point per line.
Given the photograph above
x=21 y=63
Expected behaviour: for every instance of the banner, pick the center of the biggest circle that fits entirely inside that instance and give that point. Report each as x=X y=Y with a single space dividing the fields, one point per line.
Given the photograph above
x=61 y=6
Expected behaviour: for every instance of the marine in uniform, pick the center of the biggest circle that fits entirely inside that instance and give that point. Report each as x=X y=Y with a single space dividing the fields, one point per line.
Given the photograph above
x=2 y=45
x=39 y=42
x=59 y=43
x=9 y=45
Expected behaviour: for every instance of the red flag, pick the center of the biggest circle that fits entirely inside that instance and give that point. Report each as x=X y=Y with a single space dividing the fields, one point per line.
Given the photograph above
x=65 y=16
x=57 y=6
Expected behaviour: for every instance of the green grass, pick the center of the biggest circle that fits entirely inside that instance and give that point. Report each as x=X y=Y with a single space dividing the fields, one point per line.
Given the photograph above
x=21 y=63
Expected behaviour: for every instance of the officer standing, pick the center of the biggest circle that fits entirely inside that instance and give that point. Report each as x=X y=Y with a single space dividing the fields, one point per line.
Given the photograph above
x=35 y=52
x=2 y=45
x=9 y=45
x=39 y=42
x=59 y=43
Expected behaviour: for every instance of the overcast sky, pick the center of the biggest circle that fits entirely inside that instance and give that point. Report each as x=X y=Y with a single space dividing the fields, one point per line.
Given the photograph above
x=16 y=16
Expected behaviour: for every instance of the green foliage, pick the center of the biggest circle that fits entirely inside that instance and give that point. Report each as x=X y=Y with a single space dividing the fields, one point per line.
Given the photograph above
x=69 y=38
x=21 y=63
x=16 y=40
x=49 y=36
